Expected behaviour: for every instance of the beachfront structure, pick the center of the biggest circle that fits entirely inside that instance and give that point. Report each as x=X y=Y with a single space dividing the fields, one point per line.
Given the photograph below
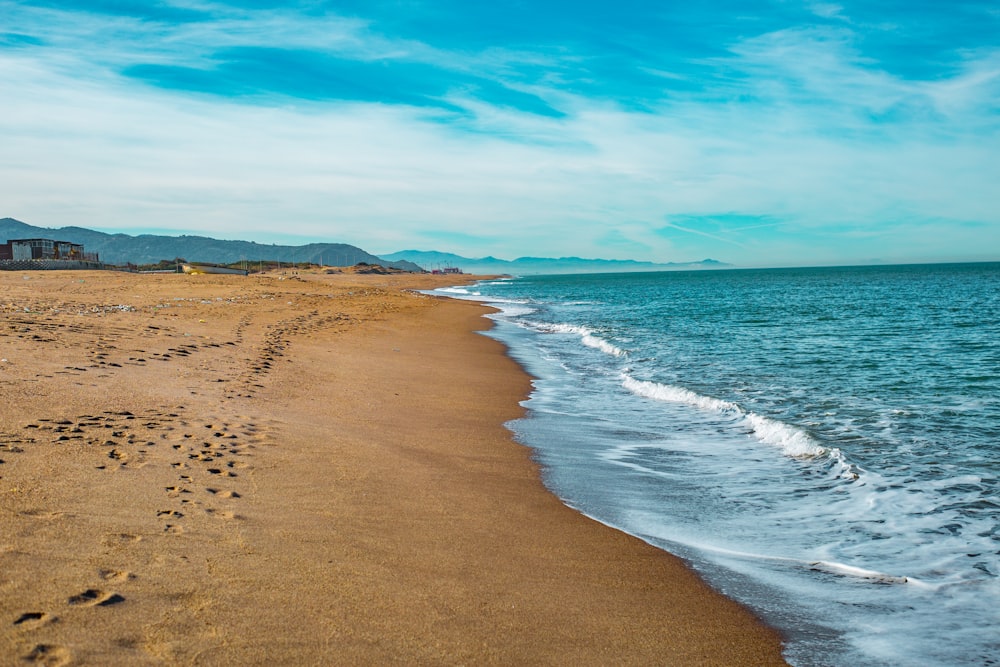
x=29 y=249
x=45 y=255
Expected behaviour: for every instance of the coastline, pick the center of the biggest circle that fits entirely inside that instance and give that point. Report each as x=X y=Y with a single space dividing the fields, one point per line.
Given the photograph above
x=303 y=469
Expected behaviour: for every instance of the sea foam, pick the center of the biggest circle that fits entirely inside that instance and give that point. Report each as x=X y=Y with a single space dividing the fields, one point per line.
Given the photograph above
x=587 y=337
x=791 y=440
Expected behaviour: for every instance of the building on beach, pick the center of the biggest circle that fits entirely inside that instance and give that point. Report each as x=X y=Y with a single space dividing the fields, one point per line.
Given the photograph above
x=22 y=254
x=44 y=249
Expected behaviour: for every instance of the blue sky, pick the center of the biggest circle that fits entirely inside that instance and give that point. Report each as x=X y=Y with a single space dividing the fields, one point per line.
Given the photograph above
x=759 y=133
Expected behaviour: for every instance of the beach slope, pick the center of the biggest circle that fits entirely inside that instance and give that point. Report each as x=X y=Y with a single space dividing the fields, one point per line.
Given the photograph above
x=302 y=469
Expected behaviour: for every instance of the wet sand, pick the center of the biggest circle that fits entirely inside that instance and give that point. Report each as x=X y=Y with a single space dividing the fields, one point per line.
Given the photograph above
x=302 y=469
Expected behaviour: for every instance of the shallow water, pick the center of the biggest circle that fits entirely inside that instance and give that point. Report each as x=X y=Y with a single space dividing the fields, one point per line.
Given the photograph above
x=823 y=444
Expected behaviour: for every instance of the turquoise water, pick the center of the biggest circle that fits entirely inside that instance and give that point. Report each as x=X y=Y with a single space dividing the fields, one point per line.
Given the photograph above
x=822 y=444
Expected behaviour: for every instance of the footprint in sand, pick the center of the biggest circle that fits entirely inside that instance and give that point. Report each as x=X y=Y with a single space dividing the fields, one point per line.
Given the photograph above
x=220 y=493
x=93 y=597
x=115 y=576
x=121 y=538
x=49 y=655
x=43 y=515
x=35 y=619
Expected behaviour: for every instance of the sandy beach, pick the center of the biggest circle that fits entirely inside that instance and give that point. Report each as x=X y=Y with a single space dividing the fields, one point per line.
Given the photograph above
x=302 y=469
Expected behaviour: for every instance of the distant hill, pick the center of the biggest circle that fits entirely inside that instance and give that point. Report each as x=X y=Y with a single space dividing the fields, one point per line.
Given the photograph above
x=149 y=249
x=542 y=265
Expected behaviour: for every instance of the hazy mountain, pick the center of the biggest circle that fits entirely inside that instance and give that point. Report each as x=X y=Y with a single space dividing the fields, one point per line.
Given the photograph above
x=541 y=265
x=148 y=248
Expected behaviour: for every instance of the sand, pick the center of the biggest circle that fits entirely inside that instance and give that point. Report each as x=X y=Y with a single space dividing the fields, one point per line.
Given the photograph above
x=302 y=469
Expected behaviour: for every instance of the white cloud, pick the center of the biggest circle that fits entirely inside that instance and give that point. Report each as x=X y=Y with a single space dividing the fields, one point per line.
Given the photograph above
x=828 y=10
x=800 y=138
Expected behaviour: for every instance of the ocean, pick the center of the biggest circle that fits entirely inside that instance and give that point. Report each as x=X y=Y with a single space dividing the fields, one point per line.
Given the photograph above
x=821 y=444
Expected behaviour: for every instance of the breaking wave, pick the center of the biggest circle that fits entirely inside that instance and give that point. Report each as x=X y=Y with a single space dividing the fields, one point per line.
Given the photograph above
x=791 y=440
x=587 y=337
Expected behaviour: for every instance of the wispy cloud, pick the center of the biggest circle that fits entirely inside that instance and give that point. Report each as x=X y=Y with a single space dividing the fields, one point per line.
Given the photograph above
x=670 y=227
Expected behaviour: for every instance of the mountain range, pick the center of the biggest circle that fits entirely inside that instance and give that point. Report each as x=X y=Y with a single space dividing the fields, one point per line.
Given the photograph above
x=150 y=248
x=542 y=265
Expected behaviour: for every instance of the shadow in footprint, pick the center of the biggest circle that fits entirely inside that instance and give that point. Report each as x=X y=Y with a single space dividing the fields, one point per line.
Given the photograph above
x=93 y=597
x=35 y=618
x=48 y=654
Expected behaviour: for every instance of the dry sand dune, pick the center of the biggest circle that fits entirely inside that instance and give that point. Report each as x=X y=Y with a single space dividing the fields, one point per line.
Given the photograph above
x=301 y=469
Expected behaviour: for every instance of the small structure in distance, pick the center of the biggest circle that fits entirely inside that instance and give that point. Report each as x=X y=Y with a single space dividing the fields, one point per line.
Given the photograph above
x=28 y=254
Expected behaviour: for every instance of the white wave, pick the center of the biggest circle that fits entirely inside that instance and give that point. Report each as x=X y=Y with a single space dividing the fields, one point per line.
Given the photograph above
x=792 y=441
x=795 y=442
x=672 y=394
x=512 y=309
x=498 y=299
x=861 y=573
x=509 y=308
x=602 y=345
x=561 y=328
x=830 y=567
x=586 y=335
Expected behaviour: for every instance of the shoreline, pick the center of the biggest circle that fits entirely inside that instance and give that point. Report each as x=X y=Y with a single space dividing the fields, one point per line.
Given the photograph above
x=311 y=469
